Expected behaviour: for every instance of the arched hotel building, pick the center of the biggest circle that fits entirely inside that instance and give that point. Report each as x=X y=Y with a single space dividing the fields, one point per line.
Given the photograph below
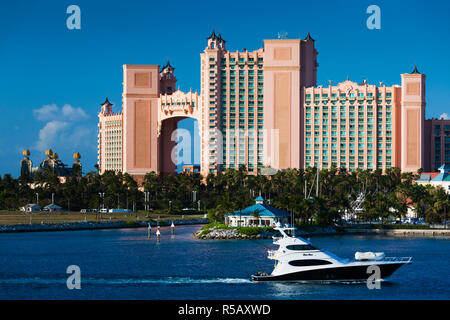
x=263 y=108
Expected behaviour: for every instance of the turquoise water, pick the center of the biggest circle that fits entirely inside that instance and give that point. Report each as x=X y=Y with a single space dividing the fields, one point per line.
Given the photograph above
x=124 y=264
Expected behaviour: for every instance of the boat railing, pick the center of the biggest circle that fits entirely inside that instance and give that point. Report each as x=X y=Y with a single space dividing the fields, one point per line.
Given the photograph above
x=398 y=259
x=271 y=254
x=275 y=239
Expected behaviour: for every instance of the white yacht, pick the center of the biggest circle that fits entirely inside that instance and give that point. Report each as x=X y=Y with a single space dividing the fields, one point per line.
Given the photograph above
x=297 y=260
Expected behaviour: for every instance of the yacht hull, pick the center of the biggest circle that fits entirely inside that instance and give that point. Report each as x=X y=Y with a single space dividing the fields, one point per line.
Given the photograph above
x=335 y=273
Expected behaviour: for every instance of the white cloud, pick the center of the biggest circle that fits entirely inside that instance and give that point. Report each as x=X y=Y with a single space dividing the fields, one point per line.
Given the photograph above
x=49 y=134
x=46 y=113
x=72 y=113
x=444 y=116
x=65 y=130
x=52 y=112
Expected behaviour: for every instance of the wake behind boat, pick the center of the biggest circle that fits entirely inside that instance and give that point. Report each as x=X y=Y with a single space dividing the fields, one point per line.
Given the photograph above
x=297 y=259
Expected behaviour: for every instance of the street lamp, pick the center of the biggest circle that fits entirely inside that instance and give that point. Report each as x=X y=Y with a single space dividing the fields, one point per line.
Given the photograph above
x=170 y=205
x=102 y=195
x=146 y=200
x=37 y=198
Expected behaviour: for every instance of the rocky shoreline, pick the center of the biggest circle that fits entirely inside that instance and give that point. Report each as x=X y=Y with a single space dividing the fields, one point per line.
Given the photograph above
x=232 y=233
x=215 y=233
x=73 y=226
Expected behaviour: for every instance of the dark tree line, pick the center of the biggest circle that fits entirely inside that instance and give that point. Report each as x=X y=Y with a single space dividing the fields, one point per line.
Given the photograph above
x=292 y=190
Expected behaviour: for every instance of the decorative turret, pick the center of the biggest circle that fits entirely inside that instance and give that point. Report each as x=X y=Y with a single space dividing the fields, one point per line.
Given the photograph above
x=49 y=153
x=107 y=107
x=216 y=41
x=168 y=80
x=168 y=68
x=309 y=38
x=221 y=39
x=415 y=71
x=259 y=200
x=51 y=162
x=26 y=164
x=76 y=167
x=212 y=36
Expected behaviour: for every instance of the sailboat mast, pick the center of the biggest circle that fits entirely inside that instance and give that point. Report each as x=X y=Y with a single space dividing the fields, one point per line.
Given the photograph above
x=317 y=185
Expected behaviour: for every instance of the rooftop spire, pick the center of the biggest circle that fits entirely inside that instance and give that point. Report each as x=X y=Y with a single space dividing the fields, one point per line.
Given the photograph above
x=106 y=102
x=168 y=66
x=309 y=38
x=213 y=35
x=220 y=38
x=415 y=71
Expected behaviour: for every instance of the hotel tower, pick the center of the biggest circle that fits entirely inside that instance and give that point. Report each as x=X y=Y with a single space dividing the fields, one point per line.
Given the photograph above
x=263 y=108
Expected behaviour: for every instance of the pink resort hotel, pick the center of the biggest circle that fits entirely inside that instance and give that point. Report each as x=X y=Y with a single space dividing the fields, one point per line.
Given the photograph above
x=263 y=108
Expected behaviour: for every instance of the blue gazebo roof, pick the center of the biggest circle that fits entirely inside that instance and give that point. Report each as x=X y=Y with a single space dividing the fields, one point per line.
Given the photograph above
x=263 y=210
x=259 y=199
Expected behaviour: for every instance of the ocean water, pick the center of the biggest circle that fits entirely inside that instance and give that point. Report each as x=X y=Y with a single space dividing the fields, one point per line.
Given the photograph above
x=124 y=264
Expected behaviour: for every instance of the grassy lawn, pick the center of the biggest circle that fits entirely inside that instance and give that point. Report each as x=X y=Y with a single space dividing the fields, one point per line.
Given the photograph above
x=18 y=217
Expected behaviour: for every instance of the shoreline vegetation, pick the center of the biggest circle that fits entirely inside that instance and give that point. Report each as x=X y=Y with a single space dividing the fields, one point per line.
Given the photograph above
x=326 y=197
x=219 y=231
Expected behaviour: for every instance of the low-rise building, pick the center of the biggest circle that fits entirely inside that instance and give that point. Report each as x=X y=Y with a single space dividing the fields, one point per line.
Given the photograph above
x=51 y=163
x=441 y=178
x=31 y=207
x=52 y=207
x=257 y=215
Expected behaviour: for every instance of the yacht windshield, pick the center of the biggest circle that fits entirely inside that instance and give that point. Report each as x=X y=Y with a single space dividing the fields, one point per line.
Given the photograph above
x=300 y=247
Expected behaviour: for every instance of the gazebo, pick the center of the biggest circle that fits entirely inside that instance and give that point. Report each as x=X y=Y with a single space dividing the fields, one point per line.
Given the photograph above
x=257 y=215
x=52 y=207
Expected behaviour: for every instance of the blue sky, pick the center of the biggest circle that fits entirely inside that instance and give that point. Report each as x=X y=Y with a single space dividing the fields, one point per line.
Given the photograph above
x=52 y=79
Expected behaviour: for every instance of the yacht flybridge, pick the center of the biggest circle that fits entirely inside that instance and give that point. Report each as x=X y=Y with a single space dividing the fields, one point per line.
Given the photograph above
x=296 y=260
